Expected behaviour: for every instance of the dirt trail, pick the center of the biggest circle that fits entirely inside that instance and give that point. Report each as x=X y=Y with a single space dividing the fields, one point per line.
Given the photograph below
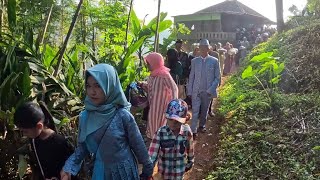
x=206 y=146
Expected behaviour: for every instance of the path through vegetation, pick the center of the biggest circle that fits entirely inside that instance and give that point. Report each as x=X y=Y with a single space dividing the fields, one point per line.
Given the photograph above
x=206 y=145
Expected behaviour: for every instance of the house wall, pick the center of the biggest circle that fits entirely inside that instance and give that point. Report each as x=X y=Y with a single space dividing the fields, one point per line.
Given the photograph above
x=231 y=22
x=204 y=26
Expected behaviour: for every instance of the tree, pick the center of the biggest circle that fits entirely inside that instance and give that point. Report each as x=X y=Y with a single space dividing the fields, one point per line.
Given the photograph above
x=279 y=10
x=156 y=38
x=64 y=46
x=294 y=10
x=314 y=7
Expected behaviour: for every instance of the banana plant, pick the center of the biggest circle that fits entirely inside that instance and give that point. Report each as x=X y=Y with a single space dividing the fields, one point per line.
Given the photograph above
x=140 y=34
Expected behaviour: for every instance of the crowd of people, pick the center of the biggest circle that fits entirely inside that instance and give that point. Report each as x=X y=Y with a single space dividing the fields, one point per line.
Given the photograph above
x=108 y=132
x=253 y=34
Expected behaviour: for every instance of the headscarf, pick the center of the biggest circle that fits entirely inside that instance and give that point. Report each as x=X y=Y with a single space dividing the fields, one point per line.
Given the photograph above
x=156 y=61
x=97 y=116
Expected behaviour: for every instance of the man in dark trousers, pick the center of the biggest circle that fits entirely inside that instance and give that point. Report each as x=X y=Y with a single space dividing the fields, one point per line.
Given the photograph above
x=186 y=66
x=183 y=58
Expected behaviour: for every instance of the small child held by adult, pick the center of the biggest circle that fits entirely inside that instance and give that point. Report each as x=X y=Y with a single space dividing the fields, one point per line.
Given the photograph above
x=172 y=145
x=50 y=149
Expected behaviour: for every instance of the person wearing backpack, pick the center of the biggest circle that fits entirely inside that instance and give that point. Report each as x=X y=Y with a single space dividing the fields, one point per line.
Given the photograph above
x=50 y=149
x=108 y=131
x=172 y=145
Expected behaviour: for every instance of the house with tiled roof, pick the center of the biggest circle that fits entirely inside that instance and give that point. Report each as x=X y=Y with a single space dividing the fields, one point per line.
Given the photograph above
x=219 y=22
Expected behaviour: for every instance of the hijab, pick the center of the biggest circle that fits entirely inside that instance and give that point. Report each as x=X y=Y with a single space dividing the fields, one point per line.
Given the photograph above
x=100 y=115
x=156 y=61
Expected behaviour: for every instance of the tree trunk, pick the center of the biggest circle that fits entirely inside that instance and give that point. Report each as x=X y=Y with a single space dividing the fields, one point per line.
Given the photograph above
x=42 y=33
x=156 y=36
x=93 y=44
x=127 y=28
x=279 y=10
x=1 y=16
x=64 y=46
x=61 y=23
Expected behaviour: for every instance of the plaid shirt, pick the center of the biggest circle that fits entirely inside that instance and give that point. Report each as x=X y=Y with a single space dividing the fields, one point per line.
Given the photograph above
x=175 y=152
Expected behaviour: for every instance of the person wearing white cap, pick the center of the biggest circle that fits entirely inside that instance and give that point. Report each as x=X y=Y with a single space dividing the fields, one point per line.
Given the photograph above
x=202 y=87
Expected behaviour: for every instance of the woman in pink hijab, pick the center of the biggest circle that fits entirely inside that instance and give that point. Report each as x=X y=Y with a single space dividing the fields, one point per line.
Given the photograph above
x=161 y=90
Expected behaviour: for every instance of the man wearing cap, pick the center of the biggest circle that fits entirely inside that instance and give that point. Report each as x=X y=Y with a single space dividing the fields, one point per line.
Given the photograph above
x=202 y=87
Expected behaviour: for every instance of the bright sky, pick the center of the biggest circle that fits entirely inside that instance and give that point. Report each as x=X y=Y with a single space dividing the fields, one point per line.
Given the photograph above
x=182 y=7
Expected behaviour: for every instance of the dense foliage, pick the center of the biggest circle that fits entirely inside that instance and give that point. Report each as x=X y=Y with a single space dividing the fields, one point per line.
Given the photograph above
x=271 y=129
x=33 y=37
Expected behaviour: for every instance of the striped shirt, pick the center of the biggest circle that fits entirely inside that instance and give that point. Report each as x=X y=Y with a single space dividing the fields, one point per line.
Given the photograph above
x=174 y=153
x=161 y=90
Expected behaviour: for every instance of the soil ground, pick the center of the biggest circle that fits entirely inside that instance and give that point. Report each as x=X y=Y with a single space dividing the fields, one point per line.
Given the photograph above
x=205 y=145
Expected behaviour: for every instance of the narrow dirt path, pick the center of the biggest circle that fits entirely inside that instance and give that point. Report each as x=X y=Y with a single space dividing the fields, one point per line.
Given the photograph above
x=206 y=145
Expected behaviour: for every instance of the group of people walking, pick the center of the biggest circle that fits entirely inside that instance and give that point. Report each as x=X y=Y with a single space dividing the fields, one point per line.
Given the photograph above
x=108 y=131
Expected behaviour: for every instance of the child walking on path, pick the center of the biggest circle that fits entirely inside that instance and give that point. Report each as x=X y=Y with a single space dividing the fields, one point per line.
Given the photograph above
x=172 y=145
x=50 y=149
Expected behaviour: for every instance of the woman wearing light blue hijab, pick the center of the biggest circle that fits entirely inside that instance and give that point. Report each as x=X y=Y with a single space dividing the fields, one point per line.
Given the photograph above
x=108 y=130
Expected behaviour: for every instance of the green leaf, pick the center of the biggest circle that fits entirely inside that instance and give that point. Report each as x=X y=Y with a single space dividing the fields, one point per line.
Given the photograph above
x=146 y=32
x=267 y=65
x=240 y=98
x=61 y=85
x=154 y=20
x=276 y=79
x=5 y=86
x=48 y=56
x=316 y=148
x=135 y=23
x=247 y=72
x=163 y=25
x=279 y=69
x=25 y=82
x=10 y=59
x=63 y=122
x=131 y=49
x=262 y=57
x=12 y=17
x=22 y=165
x=256 y=135
x=29 y=37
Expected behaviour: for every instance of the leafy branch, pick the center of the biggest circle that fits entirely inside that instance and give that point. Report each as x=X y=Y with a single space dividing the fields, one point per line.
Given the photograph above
x=265 y=65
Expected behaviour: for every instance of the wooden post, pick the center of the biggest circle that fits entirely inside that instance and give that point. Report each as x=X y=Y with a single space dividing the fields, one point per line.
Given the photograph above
x=156 y=36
